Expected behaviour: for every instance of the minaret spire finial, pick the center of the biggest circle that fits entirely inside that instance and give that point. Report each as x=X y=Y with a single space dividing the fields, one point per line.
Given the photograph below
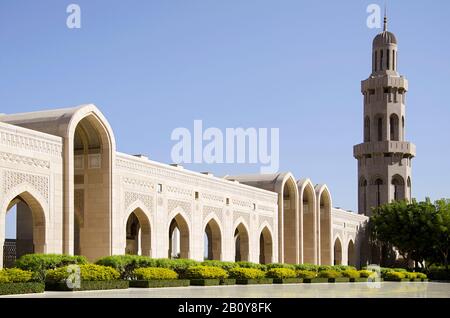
x=385 y=18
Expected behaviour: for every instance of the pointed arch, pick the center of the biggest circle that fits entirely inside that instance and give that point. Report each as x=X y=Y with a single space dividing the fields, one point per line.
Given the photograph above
x=265 y=245
x=290 y=237
x=213 y=234
x=394 y=127
x=351 y=253
x=241 y=241
x=308 y=212
x=138 y=242
x=324 y=205
x=337 y=251
x=179 y=247
x=30 y=203
x=398 y=187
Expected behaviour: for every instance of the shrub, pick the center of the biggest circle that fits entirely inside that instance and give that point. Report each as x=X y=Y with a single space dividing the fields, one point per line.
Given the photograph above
x=17 y=275
x=279 y=265
x=126 y=264
x=4 y=278
x=341 y=268
x=178 y=265
x=350 y=273
x=154 y=273
x=40 y=263
x=205 y=272
x=329 y=274
x=88 y=272
x=410 y=275
x=395 y=276
x=306 y=274
x=281 y=273
x=321 y=268
x=224 y=265
x=366 y=274
x=246 y=273
x=307 y=267
x=421 y=275
x=243 y=264
x=439 y=274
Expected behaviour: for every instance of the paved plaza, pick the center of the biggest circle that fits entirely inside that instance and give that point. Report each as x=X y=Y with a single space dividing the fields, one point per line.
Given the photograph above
x=341 y=290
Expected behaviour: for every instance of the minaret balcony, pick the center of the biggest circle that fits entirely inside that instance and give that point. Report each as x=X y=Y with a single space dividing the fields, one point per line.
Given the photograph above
x=369 y=148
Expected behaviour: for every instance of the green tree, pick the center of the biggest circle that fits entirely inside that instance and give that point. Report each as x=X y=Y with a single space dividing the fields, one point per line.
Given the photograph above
x=409 y=227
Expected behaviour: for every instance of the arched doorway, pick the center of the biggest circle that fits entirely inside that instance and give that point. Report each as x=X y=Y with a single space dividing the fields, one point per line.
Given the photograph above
x=290 y=223
x=213 y=241
x=265 y=246
x=92 y=187
x=241 y=243
x=24 y=228
x=138 y=234
x=337 y=252
x=351 y=257
x=398 y=188
x=178 y=238
x=324 y=216
x=309 y=224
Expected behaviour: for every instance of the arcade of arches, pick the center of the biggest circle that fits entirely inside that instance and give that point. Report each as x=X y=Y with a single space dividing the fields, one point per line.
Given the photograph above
x=66 y=189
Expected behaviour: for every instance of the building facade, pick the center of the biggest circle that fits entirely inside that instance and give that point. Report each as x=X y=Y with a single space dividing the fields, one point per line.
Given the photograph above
x=75 y=194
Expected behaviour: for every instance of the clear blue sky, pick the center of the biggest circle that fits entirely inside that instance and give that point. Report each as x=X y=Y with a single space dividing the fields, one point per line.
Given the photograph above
x=152 y=66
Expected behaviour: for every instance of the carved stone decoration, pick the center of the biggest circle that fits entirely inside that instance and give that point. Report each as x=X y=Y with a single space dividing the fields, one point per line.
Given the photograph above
x=173 y=204
x=40 y=183
x=209 y=209
x=132 y=197
x=199 y=182
x=16 y=159
x=245 y=216
x=269 y=220
x=13 y=138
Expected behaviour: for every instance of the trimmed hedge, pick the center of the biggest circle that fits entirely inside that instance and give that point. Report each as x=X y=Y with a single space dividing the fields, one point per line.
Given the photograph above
x=154 y=273
x=40 y=263
x=287 y=280
x=254 y=281
x=244 y=264
x=89 y=285
x=439 y=274
x=279 y=265
x=329 y=274
x=394 y=276
x=21 y=288
x=15 y=275
x=224 y=265
x=281 y=273
x=205 y=272
x=367 y=274
x=205 y=282
x=157 y=283
x=306 y=274
x=246 y=273
x=88 y=272
x=307 y=267
x=341 y=268
x=350 y=273
x=126 y=264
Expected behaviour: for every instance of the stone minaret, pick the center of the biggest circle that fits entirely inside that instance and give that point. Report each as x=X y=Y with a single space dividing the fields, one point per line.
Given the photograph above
x=384 y=159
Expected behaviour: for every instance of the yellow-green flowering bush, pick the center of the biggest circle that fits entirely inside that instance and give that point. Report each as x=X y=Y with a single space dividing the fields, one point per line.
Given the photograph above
x=281 y=273
x=306 y=274
x=350 y=273
x=151 y=273
x=246 y=273
x=205 y=272
x=88 y=272
x=329 y=274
